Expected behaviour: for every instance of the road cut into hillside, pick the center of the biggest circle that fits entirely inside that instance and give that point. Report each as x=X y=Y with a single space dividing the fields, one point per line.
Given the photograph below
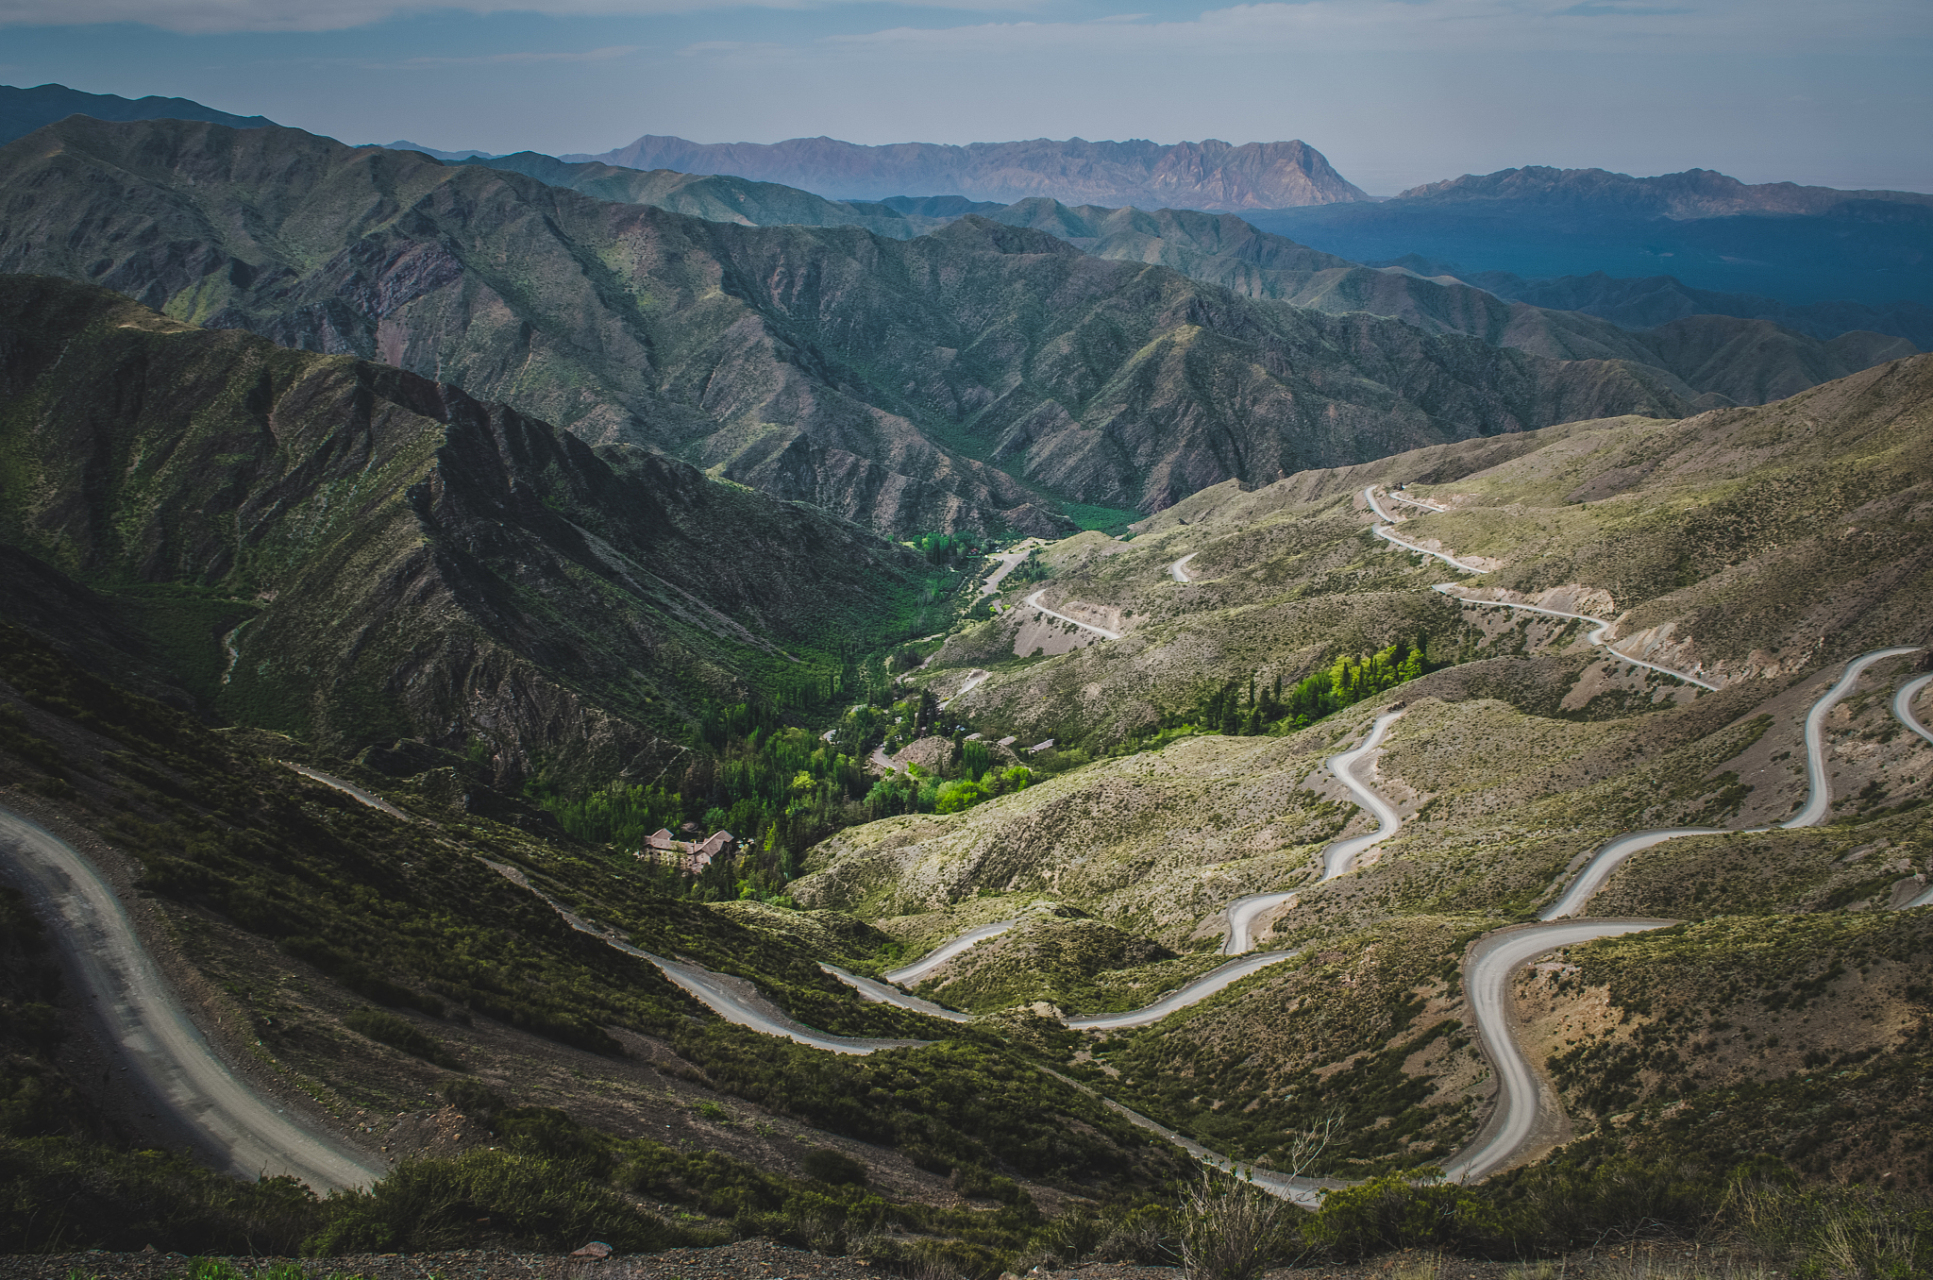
x=1612 y=855
x=1338 y=858
x=1598 y=635
x=913 y=974
x=1819 y=803
x=973 y=681
x=733 y=999
x=142 y=1022
x=1215 y=980
x=877 y=992
x=1528 y=1112
x=1033 y=602
x=1387 y=535
x=1179 y=569
x=1903 y=706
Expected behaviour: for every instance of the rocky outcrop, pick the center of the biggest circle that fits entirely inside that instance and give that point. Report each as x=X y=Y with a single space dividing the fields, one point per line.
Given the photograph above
x=1210 y=174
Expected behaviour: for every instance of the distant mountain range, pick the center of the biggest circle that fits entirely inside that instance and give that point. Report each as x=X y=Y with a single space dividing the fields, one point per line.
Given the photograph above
x=974 y=378
x=403 y=144
x=1695 y=193
x=1190 y=175
x=1708 y=349
x=1711 y=232
x=24 y=110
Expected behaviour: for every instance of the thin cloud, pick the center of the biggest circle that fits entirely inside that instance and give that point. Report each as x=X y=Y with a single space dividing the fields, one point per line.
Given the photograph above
x=606 y=54
x=209 y=17
x=1431 y=26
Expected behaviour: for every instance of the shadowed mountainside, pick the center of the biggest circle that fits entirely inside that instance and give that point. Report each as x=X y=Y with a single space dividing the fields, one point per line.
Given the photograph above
x=1796 y=244
x=24 y=110
x=1655 y=300
x=353 y=553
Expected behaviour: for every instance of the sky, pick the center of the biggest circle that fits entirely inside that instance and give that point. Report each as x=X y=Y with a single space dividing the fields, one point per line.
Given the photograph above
x=1393 y=92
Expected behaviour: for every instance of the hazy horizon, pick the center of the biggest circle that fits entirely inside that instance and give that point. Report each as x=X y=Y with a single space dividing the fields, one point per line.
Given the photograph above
x=1394 y=94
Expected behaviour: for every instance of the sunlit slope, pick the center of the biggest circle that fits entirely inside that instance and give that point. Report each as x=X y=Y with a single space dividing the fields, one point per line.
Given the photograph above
x=1508 y=766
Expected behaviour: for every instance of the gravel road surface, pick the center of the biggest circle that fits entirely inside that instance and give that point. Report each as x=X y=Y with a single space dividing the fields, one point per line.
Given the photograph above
x=164 y=1057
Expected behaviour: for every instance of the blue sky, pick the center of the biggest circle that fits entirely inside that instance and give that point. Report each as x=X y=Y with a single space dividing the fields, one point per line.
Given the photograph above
x=1394 y=92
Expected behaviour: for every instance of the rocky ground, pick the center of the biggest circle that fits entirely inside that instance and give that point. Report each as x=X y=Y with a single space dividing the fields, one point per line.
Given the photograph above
x=762 y=1260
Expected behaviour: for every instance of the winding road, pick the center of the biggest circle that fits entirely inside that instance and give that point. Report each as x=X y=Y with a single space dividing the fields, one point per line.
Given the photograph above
x=733 y=999
x=351 y=790
x=877 y=992
x=173 y=1068
x=1008 y=559
x=1903 y=706
x=1033 y=602
x=913 y=974
x=1598 y=635
x=1384 y=532
x=1339 y=858
x=1424 y=503
x=165 y=1058
x=1217 y=979
x=1528 y=1112
x=1819 y=802
x=973 y=681
x=1527 y=1107
x=1179 y=569
x=1608 y=859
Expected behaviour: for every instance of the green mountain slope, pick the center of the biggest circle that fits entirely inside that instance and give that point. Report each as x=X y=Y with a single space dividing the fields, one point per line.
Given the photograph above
x=901 y=384
x=713 y=197
x=354 y=553
x=394 y=981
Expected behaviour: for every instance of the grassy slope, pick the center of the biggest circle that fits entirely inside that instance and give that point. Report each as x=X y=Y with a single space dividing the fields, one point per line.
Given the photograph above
x=1513 y=765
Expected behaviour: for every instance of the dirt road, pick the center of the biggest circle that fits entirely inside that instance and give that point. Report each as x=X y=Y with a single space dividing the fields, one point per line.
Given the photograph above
x=1338 y=858
x=162 y=1055
x=1033 y=602
x=1598 y=635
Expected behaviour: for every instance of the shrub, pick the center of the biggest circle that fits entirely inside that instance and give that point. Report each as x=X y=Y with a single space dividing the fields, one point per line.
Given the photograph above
x=472 y=1097
x=1403 y=1211
x=1231 y=1230
x=519 y=1200
x=63 y=1195
x=835 y=1167
x=399 y=1033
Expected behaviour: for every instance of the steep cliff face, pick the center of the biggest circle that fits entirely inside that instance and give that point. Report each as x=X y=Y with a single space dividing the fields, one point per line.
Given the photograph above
x=1210 y=174
x=965 y=379
x=394 y=558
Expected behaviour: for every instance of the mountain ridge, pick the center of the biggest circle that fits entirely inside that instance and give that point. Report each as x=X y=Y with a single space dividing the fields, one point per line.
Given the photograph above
x=1692 y=193
x=1224 y=250
x=24 y=110
x=383 y=556
x=945 y=382
x=1209 y=174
